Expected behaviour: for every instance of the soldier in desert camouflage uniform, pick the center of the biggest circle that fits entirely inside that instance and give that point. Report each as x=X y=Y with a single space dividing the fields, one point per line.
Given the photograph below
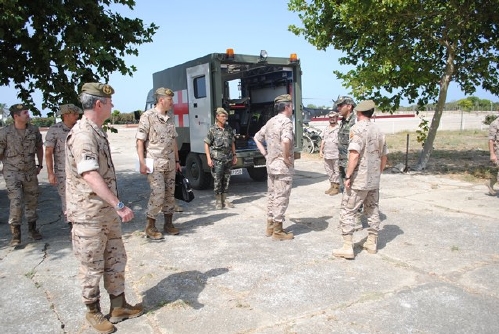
x=55 y=150
x=329 y=151
x=220 y=150
x=95 y=210
x=19 y=143
x=156 y=139
x=494 y=153
x=278 y=134
x=366 y=160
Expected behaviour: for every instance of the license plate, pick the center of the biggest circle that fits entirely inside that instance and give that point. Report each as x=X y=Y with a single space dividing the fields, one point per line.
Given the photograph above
x=237 y=171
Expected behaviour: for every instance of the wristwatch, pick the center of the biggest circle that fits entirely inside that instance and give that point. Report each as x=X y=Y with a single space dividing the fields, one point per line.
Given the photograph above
x=120 y=205
x=347 y=178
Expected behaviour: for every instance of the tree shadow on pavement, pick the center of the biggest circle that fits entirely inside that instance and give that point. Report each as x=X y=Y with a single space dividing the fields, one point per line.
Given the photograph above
x=306 y=225
x=183 y=287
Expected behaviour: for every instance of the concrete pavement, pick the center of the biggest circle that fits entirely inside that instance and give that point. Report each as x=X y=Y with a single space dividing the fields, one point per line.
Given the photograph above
x=436 y=270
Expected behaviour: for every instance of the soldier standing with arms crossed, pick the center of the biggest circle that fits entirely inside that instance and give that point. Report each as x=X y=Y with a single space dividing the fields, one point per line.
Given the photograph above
x=19 y=143
x=156 y=139
x=278 y=134
x=329 y=151
x=366 y=161
x=95 y=210
x=220 y=150
x=55 y=151
x=494 y=152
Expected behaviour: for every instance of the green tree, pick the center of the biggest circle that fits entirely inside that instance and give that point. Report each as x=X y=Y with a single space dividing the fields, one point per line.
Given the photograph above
x=465 y=104
x=396 y=49
x=56 y=46
x=115 y=115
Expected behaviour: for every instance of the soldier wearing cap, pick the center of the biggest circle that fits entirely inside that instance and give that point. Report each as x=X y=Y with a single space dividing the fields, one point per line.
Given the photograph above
x=156 y=140
x=344 y=105
x=19 y=143
x=279 y=153
x=366 y=160
x=329 y=151
x=220 y=150
x=95 y=209
x=55 y=150
x=494 y=153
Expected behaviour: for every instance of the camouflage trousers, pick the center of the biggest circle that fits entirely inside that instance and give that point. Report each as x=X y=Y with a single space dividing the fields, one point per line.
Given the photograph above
x=61 y=189
x=332 y=170
x=221 y=175
x=162 y=184
x=22 y=189
x=99 y=249
x=279 y=190
x=351 y=202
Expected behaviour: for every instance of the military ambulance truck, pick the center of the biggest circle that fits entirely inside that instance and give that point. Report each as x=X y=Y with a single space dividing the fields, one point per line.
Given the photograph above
x=245 y=85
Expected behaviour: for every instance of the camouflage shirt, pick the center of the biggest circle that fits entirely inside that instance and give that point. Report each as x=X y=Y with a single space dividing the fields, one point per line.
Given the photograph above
x=369 y=141
x=330 y=139
x=87 y=149
x=56 y=138
x=344 y=139
x=273 y=133
x=220 y=142
x=158 y=133
x=19 y=150
x=494 y=135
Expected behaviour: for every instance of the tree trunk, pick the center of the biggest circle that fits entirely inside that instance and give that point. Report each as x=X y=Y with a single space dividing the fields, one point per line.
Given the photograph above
x=424 y=157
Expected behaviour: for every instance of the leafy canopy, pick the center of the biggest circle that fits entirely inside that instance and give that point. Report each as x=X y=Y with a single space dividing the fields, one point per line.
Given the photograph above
x=397 y=49
x=56 y=46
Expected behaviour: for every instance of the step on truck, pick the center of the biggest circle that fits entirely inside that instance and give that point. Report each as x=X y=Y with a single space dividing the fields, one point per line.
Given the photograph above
x=245 y=85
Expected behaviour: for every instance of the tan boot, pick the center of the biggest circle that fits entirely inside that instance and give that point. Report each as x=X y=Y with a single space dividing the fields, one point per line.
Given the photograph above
x=16 y=235
x=490 y=184
x=33 y=232
x=226 y=202
x=279 y=233
x=347 y=250
x=178 y=208
x=331 y=187
x=218 y=202
x=97 y=320
x=335 y=190
x=151 y=230
x=169 y=228
x=121 y=310
x=270 y=227
x=371 y=243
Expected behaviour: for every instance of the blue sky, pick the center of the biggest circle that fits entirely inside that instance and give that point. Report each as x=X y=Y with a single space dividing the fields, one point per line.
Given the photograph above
x=193 y=28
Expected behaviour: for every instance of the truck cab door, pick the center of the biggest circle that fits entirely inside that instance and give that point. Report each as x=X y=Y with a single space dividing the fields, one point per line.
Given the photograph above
x=200 y=113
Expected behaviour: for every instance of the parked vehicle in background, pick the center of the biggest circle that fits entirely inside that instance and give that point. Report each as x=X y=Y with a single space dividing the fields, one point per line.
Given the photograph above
x=311 y=139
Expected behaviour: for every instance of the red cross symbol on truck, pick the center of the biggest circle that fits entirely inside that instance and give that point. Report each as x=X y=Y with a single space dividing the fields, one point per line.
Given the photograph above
x=181 y=108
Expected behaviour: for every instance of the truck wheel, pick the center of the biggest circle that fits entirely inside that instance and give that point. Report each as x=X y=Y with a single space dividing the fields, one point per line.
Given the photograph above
x=198 y=178
x=257 y=174
x=308 y=145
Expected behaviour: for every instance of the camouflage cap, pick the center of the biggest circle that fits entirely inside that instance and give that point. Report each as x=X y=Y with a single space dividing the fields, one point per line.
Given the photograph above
x=97 y=89
x=366 y=105
x=345 y=100
x=221 y=111
x=69 y=108
x=283 y=98
x=333 y=114
x=164 y=91
x=18 y=107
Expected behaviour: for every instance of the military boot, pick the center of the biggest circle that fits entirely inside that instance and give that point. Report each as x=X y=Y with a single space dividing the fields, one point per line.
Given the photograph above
x=97 y=320
x=335 y=190
x=490 y=184
x=371 y=243
x=218 y=202
x=270 y=227
x=169 y=228
x=347 y=250
x=120 y=310
x=33 y=232
x=16 y=235
x=151 y=230
x=279 y=233
x=331 y=187
x=226 y=202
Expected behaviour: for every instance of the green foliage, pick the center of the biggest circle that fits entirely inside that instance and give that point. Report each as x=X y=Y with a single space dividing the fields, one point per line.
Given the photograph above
x=422 y=133
x=489 y=119
x=56 y=46
x=43 y=122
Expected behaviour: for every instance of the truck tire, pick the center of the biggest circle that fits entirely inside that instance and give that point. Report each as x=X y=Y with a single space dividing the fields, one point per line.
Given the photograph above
x=257 y=174
x=198 y=178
